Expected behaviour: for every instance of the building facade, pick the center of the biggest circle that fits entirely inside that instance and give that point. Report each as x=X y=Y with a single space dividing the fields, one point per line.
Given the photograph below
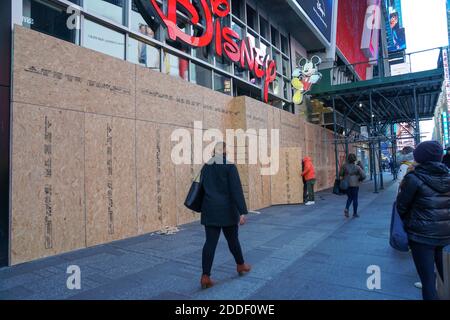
x=77 y=72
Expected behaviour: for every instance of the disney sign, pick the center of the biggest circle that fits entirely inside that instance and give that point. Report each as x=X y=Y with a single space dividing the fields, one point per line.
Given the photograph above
x=227 y=42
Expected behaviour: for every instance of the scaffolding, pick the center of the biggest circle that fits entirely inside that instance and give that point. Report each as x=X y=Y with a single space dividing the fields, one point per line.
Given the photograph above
x=380 y=104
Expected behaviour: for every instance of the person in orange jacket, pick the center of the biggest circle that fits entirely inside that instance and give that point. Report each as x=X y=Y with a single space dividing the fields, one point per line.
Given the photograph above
x=309 y=179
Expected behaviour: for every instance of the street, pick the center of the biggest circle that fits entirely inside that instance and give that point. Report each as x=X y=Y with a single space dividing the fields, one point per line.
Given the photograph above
x=297 y=253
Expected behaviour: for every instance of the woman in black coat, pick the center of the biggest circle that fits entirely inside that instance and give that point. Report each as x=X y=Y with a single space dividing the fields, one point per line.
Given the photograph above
x=223 y=209
x=424 y=205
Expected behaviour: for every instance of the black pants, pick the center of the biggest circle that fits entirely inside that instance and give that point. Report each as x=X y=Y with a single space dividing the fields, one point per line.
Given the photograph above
x=209 y=249
x=308 y=190
x=425 y=258
x=352 y=194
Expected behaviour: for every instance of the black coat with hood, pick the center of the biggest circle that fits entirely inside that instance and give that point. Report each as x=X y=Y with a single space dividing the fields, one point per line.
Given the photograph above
x=424 y=204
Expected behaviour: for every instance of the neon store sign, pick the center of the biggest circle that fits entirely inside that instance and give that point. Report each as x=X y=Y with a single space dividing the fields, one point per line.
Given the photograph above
x=227 y=42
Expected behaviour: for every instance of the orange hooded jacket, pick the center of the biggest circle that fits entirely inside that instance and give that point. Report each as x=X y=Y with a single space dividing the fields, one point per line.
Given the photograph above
x=308 y=169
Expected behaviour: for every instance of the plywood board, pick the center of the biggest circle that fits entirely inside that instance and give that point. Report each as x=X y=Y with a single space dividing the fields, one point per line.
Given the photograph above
x=218 y=112
x=56 y=73
x=110 y=179
x=164 y=99
x=287 y=185
x=290 y=130
x=185 y=173
x=47 y=182
x=157 y=206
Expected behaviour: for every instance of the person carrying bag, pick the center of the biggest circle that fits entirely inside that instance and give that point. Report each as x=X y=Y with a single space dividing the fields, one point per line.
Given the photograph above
x=352 y=176
x=194 y=198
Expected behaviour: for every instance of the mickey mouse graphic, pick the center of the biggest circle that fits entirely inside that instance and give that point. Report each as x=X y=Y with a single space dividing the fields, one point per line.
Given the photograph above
x=305 y=77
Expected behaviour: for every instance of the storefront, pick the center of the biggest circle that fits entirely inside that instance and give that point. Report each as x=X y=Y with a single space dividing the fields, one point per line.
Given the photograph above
x=116 y=28
x=119 y=74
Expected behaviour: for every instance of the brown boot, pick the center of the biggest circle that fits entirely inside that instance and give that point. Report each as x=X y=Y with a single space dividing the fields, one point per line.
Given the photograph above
x=243 y=268
x=347 y=215
x=206 y=282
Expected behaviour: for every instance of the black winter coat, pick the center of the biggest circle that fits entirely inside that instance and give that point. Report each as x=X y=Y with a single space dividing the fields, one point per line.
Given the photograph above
x=446 y=160
x=224 y=201
x=424 y=204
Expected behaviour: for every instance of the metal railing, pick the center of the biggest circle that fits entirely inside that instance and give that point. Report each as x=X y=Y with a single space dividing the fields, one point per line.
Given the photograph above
x=396 y=64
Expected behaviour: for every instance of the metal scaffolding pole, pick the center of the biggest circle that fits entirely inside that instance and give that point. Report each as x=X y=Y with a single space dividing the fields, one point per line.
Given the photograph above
x=345 y=134
x=394 y=151
x=372 y=145
x=417 y=121
x=381 y=165
x=336 y=154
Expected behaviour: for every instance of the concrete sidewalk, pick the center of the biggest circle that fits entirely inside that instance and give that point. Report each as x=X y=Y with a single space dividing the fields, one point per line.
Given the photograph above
x=297 y=252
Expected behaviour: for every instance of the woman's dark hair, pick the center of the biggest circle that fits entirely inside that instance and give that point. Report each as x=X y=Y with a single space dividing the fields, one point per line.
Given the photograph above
x=351 y=158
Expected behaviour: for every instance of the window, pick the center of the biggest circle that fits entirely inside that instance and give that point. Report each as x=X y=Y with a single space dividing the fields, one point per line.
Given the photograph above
x=237 y=8
x=222 y=84
x=50 y=19
x=286 y=88
x=204 y=53
x=287 y=107
x=238 y=71
x=110 y=9
x=286 y=71
x=277 y=57
x=252 y=18
x=284 y=45
x=201 y=76
x=102 y=39
x=138 y=24
x=275 y=37
x=143 y=54
x=275 y=86
x=175 y=66
x=264 y=28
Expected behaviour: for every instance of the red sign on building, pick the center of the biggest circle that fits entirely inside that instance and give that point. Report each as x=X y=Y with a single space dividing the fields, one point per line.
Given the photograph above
x=227 y=42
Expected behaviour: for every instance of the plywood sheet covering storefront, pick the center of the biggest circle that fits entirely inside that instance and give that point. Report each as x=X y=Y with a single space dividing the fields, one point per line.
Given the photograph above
x=287 y=185
x=110 y=179
x=54 y=73
x=92 y=148
x=48 y=182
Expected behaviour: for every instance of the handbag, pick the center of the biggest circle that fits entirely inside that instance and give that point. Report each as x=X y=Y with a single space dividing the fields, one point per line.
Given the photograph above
x=398 y=238
x=194 y=198
x=336 y=187
x=344 y=185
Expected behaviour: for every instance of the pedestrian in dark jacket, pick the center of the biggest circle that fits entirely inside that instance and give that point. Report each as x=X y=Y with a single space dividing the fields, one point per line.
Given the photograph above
x=354 y=175
x=424 y=205
x=446 y=159
x=223 y=209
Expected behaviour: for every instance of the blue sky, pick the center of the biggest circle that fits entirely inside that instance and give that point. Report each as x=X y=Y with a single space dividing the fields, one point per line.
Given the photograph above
x=425 y=22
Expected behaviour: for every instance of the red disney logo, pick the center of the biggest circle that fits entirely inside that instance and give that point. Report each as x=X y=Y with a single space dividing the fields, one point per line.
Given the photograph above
x=227 y=42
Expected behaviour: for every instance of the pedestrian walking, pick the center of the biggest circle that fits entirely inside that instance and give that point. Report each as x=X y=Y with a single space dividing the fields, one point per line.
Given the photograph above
x=405 y=161
x=446 y=159
x=359 y=164
x=423 y=203
x=309 y=180
x=354 y=175
x=223 y=209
